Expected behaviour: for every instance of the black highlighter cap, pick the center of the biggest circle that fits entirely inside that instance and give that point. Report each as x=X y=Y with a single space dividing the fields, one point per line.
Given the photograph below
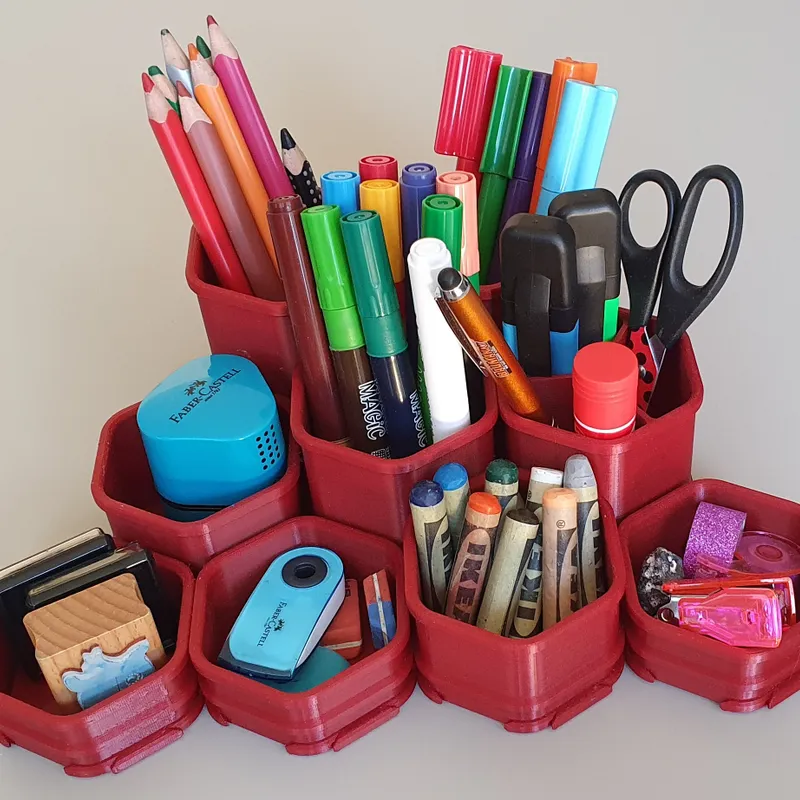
x=594 y=215
x=545 y=246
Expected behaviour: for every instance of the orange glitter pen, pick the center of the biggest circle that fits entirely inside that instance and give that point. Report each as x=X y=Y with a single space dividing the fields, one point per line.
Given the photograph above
x=481 y=339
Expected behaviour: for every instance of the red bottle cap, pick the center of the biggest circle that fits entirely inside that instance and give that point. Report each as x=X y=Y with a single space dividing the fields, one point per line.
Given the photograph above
x=604 y=380
x=469 y=85
x=377 y=168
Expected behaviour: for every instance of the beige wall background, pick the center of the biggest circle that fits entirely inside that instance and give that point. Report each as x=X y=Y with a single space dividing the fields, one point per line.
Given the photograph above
x=95 y=310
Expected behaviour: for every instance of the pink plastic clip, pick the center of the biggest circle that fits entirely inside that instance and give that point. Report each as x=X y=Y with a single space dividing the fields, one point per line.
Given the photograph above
x=740 y=617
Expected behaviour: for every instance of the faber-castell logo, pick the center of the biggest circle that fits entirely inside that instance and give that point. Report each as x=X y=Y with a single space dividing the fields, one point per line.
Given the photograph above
x=200 y=392
x=416 y=410
x=274 y=623
x=372 y=410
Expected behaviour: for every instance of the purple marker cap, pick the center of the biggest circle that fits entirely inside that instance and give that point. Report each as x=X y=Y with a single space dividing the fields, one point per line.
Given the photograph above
x=417 y=182
x=419 y=174
x=518 y=201
x=531 y=135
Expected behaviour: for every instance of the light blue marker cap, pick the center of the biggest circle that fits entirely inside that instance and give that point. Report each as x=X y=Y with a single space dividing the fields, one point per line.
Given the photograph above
x=451 y=477
x=579 y=140
x=340 y=188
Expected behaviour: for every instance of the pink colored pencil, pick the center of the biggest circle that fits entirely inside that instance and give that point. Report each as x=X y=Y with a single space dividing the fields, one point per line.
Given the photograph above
x=231 y=72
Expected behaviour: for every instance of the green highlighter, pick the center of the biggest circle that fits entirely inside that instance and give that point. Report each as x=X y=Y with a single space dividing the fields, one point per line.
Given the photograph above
x=500 y=155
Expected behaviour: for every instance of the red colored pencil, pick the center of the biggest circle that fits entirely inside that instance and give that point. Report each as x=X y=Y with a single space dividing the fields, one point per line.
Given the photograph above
x=196 y=196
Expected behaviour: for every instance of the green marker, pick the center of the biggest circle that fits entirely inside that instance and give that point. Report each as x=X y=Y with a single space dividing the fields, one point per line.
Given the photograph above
x=361 y=403
x=443 y=218
x=167 y=88
x=500 y=155
x=376 y=298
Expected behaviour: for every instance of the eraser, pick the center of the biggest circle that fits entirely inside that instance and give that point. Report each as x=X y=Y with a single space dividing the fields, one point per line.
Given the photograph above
x=380 y=611
x=344 y=634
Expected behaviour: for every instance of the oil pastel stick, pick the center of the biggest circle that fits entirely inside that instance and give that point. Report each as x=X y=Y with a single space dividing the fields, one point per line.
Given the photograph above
x=434 y=549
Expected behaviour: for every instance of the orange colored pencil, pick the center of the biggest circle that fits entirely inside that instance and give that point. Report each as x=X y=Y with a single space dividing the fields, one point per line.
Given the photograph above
x=193 y=188
x=563 y=69
x=213 y=100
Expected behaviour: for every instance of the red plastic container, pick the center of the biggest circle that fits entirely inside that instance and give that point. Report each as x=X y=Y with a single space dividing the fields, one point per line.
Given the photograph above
x=121 y=731
x=372 y=493
x=528 y=685
x=490 y=294
x=122 y=485
x=341 y=710
x=242 y=325
x=653 y=459
x=738 y=679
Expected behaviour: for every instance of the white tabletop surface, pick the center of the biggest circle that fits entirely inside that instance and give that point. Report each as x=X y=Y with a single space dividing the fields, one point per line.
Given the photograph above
x=643 y=741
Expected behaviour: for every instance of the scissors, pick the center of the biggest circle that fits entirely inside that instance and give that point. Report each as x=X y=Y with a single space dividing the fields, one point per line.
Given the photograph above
x=659 y=269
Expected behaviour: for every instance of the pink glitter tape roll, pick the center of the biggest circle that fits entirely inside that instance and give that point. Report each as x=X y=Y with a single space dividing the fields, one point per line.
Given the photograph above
x=715 y=532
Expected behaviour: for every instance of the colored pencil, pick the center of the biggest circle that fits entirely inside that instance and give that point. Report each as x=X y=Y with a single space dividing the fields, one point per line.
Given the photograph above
x=213 y=100
x=230 y=200
x=185 y=170
x=228 y=65
x=175 y=59
x=166 y=86
x=299 y=171
x=203 y=49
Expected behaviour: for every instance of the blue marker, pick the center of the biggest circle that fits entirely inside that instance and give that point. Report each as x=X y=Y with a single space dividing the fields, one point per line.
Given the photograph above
x=579 y=140
x=340 y=188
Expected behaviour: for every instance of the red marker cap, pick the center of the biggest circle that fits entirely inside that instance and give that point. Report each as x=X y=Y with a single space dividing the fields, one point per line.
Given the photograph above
x=377 y=168
x=604 y=380
x=469 y=85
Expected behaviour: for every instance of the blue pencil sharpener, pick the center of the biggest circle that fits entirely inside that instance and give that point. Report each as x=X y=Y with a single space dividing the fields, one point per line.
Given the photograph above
x=212 y=436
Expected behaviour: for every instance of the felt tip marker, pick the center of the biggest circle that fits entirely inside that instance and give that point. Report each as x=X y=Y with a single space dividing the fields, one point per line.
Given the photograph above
x=361 y=403
x=376 y=299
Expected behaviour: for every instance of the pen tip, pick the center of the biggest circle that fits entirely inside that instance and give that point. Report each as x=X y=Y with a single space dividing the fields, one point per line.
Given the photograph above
x=210 y=20
x=182 y=90
x=147 y=82
x=287 y=142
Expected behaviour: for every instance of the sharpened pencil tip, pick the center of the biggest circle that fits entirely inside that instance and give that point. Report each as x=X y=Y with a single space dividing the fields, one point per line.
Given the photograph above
x=194 y=53
x=210 y=20
x=287 y=141
x=182 y=90
x=165 y=32
x=147 y=82
x=154 y=71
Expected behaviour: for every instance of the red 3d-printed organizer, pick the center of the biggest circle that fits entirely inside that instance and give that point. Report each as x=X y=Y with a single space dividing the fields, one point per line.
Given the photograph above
x=242 y=325
x=631 y=471
x=371 y=493
x=122 y=485
x=344 y=708
x=529 y=684
x=124 y=729
x=738 y=679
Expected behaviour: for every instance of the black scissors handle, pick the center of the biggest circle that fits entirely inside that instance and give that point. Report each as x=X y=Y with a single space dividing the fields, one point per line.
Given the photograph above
x=682 y=302
x=643 y=266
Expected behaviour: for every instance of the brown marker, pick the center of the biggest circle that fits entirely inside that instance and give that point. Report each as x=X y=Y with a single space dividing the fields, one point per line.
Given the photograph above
x=560 y=555
x=313 y=355
x=474 y=557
